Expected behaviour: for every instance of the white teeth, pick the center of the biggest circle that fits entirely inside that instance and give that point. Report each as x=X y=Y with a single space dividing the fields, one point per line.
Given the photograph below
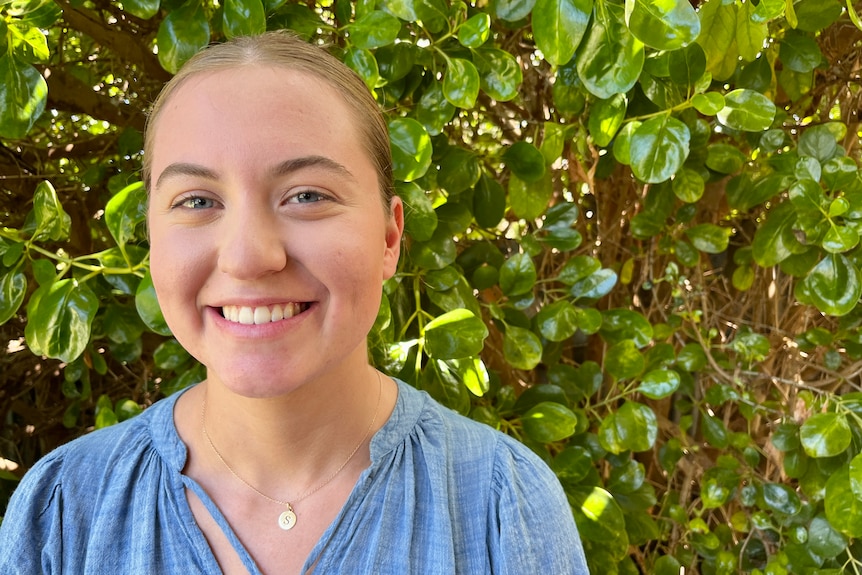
x=246 y=316
x=257 y=315
x=277 y=313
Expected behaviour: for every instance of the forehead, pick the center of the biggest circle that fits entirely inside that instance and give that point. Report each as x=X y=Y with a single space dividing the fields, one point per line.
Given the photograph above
x=251 y=112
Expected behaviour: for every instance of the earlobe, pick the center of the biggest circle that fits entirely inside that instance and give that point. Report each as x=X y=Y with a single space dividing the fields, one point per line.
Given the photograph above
x=394 y=233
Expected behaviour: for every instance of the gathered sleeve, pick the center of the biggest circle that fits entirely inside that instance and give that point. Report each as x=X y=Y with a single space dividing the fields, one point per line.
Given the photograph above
x=530 y=523
x=29 y=535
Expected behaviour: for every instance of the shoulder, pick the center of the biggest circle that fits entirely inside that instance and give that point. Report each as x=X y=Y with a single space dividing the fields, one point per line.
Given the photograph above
x=77 y=468
x=480 y=461
x=499 y=486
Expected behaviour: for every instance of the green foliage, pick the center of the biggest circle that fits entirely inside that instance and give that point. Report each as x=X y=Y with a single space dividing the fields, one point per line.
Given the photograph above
x=633 y=243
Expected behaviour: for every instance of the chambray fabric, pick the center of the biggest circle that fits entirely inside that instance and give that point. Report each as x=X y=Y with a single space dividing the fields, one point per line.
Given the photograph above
x=443 y=495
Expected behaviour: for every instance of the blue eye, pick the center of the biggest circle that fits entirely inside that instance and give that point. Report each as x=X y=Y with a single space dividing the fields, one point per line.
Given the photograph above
x=195 y=203
x=306 y=197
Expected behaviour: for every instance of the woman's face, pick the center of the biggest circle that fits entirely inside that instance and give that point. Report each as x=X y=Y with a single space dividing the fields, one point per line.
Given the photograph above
x=269 y=242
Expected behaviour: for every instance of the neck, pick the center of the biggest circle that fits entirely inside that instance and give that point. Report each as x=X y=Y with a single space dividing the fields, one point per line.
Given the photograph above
x=286 y=445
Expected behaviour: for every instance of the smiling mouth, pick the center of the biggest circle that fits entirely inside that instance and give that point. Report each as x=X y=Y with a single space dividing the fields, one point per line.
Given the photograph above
x=248 y=315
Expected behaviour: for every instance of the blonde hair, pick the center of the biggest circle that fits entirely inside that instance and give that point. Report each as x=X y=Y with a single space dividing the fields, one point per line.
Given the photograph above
x=285 y=49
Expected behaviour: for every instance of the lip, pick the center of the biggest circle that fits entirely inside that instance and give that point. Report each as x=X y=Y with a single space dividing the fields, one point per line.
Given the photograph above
x=258 y=331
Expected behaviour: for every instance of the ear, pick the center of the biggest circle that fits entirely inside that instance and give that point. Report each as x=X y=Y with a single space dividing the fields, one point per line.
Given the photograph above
x=394 y=233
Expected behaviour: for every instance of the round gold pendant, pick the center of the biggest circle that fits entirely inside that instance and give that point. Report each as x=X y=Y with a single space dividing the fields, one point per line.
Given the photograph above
x=287 y=519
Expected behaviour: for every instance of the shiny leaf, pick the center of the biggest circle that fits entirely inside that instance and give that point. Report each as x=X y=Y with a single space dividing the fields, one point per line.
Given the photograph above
x=455 y=334
x=662 y=25
x=559 y=26
x=461 y=83
x=658 y=148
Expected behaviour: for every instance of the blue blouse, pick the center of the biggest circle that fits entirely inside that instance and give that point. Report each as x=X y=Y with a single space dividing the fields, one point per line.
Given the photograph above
x=443 y=495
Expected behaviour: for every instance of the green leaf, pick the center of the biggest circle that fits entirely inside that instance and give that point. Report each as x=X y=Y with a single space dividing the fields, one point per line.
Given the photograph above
x=843 y=507
x=23 y=95
x=455 y=334
x=522 y=348
x=750 y=34
x=489 y=202
x=436 y=253
x=148 y=308
x=624 y=361
x=500 y=74
x=596 y=285
x=475 y=31
x=548 y=422
x=518 y=275
x=59 y=323
x=709 y=238
x=243 y=18
x=47 y=220
x=621 y=324
x=577 y=268
x=434 y=110
x=473 y=374
x=717 y=487
x=840 y=239
x=724 y=158
x=659 y=383
x=835 y=285
x=747 y=110
x=775 y=241
x=781 y=498
x=610 y=59
x=825 y=435
x=633 y=427
x=606 y=117
x=459 y=170
x=512 y=10
x=662 y=25
x=658 y=149
x=13 y=288
x=819 y=143
x=461 y=83
x=559 y=26
x=688 y=185
x=600 y=519
x=557 y=321
x=708 y=104
x=170 y=355
x=718 y=38
x=714 y=430
x=525 y=161
x=28 y=42
x=125 y=211
x=373 y=30
x=404 y=9
x=411 y=149
x=691 y=357
x=122 y=324
x=144 y=9
x=529 y=200
x=687 y=66
x=823 y=539
x=364 y=63
x=800 y=52
x=420 y=219
x=182 y=34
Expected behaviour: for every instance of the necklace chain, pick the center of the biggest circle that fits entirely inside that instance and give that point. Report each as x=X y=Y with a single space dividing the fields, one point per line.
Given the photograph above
x=288 y=518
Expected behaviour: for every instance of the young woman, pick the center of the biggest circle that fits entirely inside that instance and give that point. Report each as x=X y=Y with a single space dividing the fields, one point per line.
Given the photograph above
x=272 y=225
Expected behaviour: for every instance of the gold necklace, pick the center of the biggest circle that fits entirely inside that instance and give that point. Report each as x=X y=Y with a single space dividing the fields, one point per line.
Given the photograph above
x=287 y=519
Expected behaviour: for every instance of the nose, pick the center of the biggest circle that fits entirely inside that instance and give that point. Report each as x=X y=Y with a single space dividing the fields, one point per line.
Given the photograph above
x=251 y=245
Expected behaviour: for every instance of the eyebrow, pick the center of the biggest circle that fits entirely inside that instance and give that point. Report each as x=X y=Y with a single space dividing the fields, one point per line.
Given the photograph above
x=284 y=168
x=185 y=169
x=295 y=164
